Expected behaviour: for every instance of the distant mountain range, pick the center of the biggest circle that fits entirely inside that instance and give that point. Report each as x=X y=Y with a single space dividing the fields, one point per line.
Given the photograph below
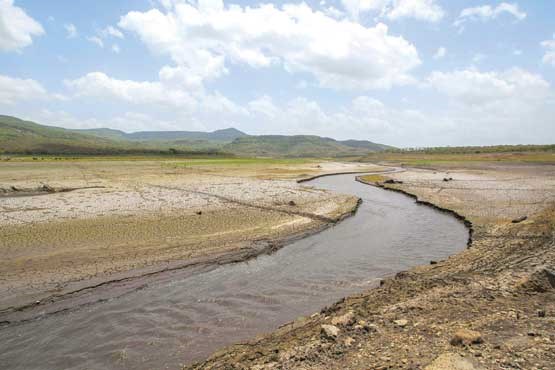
x=24 y=137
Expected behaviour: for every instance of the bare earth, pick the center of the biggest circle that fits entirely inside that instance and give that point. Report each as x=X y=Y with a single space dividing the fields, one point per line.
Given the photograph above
x=491 y=306
x=70 y=224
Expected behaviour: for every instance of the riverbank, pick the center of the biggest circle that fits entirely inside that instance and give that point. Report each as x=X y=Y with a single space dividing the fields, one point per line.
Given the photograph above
x=124 y=219
x=491 y=306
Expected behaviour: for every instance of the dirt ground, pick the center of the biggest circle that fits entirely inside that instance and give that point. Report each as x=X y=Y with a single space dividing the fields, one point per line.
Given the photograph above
x=70 y=224
x=491 y=306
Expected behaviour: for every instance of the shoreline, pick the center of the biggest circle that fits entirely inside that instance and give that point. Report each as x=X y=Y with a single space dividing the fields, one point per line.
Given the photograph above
x=254 y=249
x=466 y=222
x=304 y=343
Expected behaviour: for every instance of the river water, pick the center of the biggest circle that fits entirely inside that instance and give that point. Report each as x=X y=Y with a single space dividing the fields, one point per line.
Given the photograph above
x=184 y=317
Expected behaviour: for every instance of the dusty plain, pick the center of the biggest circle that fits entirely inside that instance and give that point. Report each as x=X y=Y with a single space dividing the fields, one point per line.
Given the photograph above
x=69 y=224
x=491 y=306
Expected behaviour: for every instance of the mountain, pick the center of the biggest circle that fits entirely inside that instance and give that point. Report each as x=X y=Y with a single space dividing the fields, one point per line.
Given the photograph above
x=299 y=146
x=225 y=135
x=18 y=136
x=365 y=144
x=25 y=137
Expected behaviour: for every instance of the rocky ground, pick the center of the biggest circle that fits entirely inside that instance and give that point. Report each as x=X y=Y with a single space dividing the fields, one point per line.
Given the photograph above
x=491 y=306
x=70 y=224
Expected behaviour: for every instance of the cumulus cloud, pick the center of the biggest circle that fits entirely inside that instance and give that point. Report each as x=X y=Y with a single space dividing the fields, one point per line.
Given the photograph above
x=203 y=40
x=472 y=87
x=13 y=90
x=440 y=53
x=16 y=27
x=425 y=10
x=487 y=12
x=549 y=56
x=99 y=85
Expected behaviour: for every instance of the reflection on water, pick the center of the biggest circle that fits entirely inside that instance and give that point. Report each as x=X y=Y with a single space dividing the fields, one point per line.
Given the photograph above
x=184 y=318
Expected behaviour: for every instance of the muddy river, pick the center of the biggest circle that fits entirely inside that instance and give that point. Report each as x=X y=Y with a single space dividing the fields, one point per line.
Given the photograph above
x=182 y=316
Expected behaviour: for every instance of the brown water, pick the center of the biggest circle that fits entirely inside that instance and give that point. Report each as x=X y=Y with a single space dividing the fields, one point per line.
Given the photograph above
x=184 y=315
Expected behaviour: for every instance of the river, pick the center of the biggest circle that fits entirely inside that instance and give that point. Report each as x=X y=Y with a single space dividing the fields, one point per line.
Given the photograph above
x=183 y=316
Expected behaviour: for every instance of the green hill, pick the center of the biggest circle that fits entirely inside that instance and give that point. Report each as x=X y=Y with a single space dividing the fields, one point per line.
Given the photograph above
x=296 y=146
x=24 y=137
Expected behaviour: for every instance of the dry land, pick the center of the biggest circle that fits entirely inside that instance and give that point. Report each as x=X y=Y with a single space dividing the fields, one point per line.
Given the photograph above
x=491 y=306
x=68 y=224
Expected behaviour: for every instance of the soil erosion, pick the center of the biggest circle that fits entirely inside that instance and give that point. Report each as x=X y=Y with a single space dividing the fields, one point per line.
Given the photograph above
x=491 y=306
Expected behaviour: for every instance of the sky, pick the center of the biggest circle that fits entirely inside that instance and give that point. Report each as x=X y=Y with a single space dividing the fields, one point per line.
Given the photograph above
x=409 y=73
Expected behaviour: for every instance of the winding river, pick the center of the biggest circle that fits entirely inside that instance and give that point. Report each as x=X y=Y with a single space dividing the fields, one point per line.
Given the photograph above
x=184 y=316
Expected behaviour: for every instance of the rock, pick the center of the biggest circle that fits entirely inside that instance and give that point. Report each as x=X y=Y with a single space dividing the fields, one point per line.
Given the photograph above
x=47 y=188
x=541 y=281
x=520 y=219
x=348 y=341
x=347 y=319
x=541 y=313
x=466 y=337
x=292 y=203
x=198 y=213
x=453 y=361
x=330 y=331
x=401 y=323
x=432 y=262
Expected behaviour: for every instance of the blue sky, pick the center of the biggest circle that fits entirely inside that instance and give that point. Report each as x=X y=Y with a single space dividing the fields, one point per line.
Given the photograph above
x=401 y=72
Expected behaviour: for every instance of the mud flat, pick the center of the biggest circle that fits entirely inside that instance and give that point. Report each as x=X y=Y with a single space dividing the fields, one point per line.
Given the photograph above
x=491 y=306
x=128 y=218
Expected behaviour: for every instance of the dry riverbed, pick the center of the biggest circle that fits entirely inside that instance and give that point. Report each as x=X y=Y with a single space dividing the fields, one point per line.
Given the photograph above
x=491 y=306
x=71 y=224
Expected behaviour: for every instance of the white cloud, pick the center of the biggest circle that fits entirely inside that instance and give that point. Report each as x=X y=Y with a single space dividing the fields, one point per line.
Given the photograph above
x=440 y=53
x=13 y=90
x=71 y=30
x=96 y=40
x=487 y=12
x=111 y=31
x=203 y=40
x=99 y=85
x=425 y=10
x=549 y=56
x=115 y=48
x=472 y=87
x=16 y=27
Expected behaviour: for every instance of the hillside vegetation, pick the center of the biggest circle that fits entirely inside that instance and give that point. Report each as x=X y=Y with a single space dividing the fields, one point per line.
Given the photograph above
x=299 y=146
x=24 y=137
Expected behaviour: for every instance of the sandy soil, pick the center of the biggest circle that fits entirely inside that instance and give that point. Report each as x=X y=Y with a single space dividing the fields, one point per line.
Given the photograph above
x=491 y=306
x=125 y=216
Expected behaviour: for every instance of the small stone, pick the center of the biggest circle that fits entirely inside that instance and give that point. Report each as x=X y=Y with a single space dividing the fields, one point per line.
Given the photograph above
x=519 y=219
x=198 y=213
x=330 y=331
x=401 y=323
x=347 y=319
x=466 y=337
x=541 y=313
x=348 y=341
x=432 y=262
x=292 y=203
x=453 y=361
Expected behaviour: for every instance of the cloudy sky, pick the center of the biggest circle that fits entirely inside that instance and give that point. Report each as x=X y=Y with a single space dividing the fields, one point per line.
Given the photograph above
x=400 y=72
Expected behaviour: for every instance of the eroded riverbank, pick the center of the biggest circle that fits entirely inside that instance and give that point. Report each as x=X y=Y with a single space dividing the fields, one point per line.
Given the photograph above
x=500 y=292
x=131 y=218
